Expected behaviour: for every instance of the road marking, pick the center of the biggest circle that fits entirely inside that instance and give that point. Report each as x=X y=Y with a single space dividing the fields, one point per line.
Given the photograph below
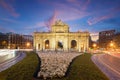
x=9 y=63
x=108 y=65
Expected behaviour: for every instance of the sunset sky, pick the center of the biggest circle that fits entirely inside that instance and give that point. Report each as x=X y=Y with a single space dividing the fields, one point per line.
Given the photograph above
x=27 y=16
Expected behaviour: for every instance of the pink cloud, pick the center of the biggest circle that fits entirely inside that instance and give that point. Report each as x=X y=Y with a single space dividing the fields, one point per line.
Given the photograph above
x=79 y=3
x=86 y=5
x=40 y=24
x=75 y=2
x=67 y=13
x=45 y=24
x=100 y=17
x=72 y=11
x=51 y=20
x=37 y=26
x=9 y=8
x=97 y=19
x=116 y=9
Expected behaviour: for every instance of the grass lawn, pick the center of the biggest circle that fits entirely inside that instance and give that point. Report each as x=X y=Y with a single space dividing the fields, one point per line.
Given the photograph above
x=82 y=68
x=23 y=70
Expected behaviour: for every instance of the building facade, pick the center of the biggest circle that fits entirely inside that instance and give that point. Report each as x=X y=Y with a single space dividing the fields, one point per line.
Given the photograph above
x=3 y=40
x=116 y=40
x=15 y=41
x=105 y=38
x=59 y=38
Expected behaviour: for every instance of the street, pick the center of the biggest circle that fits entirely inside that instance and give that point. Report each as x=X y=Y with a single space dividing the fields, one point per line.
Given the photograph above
x=109 y=64
x=9 y=59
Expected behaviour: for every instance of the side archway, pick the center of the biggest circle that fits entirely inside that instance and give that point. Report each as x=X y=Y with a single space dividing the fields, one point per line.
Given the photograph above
x=73 y=44
x=38 y=46
x=47 y=44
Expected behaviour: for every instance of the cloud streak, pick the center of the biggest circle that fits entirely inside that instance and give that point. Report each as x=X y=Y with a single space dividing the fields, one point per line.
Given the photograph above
x=68 y=12
x=85 y=6
x=45 y=24
x=9 y=20
x=75 y=9
x=39 y=26
x=3 y=29
x=51 y=20
x=9 y=8
x=95 y=20
x=99 y=18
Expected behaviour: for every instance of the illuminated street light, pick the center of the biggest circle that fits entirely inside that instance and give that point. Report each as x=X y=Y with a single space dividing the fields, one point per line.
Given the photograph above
x=94 y=45
x=111 y=44
x=27 y=44
x=4 y=43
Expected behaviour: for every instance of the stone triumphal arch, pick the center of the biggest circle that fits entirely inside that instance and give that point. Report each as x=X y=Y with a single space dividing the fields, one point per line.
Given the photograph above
x=60 y=38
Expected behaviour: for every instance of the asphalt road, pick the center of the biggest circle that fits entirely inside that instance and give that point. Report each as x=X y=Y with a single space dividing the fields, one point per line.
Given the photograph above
x=7 y=57
x=110 y=65
x=8 y=60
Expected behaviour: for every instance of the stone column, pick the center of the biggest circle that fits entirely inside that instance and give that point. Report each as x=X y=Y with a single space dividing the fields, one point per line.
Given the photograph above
x=68 y=43
x=65 y=46
x=88 y=42
x=43 y=44
x=78 y=44
x=52 y=44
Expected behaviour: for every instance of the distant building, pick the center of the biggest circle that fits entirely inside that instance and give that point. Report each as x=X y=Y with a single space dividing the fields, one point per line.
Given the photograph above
x=105 y=37
x=61 y=39
x=90 y=42
x=27 y=39
x=116 y=40
x=15 y=41
x=3 y=40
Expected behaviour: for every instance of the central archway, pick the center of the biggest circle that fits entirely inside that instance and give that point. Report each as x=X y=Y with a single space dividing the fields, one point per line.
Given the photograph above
x=60 y=44
x=47 y=46
x=38 y=46
x=73 y=44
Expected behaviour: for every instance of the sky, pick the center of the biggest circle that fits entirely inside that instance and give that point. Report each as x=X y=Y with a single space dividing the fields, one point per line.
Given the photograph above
x=28 y=16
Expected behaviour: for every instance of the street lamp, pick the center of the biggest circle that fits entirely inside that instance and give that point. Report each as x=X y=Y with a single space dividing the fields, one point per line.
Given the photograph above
x=4 y=43
x=112 y=44
x=28 y=44
x=94 y=45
